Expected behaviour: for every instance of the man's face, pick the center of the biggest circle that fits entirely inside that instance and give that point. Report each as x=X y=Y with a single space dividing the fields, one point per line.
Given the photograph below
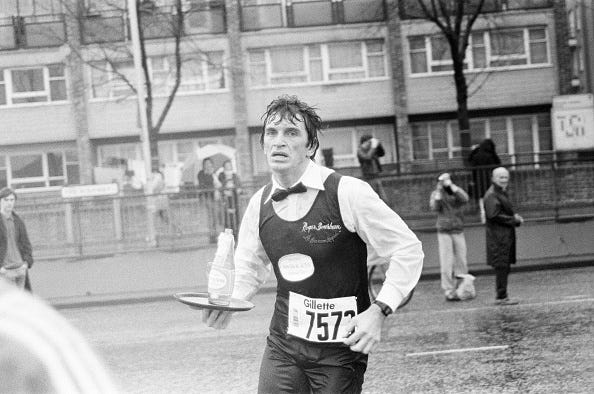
x=501 y=178
x=286 y=146
x=7 y=204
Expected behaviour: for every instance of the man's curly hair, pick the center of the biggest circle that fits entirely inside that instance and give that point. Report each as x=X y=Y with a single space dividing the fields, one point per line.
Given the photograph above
x=292 y=109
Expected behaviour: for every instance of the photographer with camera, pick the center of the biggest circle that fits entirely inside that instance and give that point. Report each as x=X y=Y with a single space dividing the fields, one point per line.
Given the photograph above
x=448 y=201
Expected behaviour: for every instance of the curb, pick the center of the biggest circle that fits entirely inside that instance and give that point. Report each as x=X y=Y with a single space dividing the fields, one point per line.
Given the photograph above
x=167 y=294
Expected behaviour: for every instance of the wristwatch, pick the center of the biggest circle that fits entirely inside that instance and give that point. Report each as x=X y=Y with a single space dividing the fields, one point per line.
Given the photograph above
x=386 y=310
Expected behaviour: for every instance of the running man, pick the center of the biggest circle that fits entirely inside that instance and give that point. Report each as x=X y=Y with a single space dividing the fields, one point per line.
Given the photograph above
x=316 y=228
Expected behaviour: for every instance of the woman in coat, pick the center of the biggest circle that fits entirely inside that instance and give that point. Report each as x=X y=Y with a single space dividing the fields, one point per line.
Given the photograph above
x=501 y=232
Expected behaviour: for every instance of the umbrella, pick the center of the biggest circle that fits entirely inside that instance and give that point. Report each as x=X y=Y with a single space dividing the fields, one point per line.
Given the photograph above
x=218 y=153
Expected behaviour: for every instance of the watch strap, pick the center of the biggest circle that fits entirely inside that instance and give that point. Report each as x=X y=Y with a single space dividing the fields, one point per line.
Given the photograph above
x=386 y=310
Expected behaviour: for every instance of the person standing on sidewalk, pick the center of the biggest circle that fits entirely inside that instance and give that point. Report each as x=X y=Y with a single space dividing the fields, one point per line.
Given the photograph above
x=448 y=200
x=501 y=233
x=315 y=228
x=15 y=249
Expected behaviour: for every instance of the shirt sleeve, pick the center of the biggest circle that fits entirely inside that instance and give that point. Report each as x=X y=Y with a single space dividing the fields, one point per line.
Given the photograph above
x=252 y=265
x=388 y=238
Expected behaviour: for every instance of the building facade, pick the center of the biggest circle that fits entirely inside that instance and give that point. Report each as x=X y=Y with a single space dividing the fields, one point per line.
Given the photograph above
x=580 y=40
x=66 y=82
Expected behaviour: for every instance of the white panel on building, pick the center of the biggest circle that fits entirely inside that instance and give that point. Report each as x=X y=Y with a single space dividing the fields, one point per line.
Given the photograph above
x=573 y=122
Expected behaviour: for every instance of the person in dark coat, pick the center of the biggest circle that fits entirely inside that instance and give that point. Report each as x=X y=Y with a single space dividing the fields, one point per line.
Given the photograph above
x=501 y=232
x=483 y=159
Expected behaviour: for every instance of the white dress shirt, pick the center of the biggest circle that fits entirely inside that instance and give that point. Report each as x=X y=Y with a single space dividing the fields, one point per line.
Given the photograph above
x=387 y=237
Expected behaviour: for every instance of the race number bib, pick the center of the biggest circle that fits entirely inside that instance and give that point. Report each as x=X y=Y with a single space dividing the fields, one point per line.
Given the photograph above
x=320 y=319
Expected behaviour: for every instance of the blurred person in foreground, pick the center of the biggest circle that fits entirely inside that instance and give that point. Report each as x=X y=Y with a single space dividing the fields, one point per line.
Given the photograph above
x=448 y=200
x=315 y=229
x=501 y=232
x=369 y=151
x=40 y=352
x=15 y=249
x=483 y=159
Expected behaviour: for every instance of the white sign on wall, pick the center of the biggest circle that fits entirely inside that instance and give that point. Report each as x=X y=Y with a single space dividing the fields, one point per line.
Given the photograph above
x=573 y=122
x=105 y=189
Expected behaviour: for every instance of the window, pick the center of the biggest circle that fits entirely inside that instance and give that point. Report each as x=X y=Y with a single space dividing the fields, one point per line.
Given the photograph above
x=345 y=61
x=477 y=131
x=117 y=155
x=488 y=49
x=441 y=58
x=524 y=138
x=2 y=88
x=337 y=61
x=418 y=54
x=266 y=14
x=32 y=85
x=435 y=140
x=287 y=66
x=517 y=139
x=344 y=142
x=204 y=73
x=31 y=170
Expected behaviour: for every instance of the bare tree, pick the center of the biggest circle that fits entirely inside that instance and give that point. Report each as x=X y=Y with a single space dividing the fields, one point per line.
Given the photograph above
x=104 y=33
x=455 y=20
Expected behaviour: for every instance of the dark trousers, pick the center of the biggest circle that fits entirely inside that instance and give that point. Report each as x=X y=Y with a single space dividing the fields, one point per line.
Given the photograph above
x=501 y=274
x=293 y=366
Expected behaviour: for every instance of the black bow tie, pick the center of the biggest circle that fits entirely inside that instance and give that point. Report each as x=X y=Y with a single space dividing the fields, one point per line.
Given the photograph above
x=281 y=194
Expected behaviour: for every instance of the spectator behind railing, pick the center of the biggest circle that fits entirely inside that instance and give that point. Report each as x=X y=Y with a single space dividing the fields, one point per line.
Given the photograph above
x=484 y=159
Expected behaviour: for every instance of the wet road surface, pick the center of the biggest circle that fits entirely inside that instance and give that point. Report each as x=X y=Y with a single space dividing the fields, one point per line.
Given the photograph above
x=543 y=345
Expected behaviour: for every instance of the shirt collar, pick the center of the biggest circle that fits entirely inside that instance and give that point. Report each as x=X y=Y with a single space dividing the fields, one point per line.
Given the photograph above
x=311 y=178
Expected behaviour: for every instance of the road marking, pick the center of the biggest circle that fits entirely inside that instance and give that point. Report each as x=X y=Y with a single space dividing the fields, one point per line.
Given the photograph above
x=576 y=297
x=468 y=349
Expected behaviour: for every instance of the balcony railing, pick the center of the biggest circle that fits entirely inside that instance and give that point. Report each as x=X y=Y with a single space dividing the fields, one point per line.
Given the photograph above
x=32 y=31
x=410 y=9
x=310 y=13
x=105 y=27
x=112 y=26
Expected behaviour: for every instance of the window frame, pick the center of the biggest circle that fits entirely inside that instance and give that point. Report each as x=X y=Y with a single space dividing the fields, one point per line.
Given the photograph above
x=112 y=77
x=10 y=95
x=46 y=178
x=510 y=153
x=325 y=64
x=486 y=47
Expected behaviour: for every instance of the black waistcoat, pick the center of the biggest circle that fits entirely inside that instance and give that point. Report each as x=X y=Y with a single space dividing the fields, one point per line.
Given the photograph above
x=339 y=256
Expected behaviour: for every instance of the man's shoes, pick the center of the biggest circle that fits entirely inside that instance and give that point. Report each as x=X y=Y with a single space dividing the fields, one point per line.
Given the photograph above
x=506 y=301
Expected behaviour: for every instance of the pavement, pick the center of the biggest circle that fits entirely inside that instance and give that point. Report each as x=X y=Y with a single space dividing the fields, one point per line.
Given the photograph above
x=158 y=274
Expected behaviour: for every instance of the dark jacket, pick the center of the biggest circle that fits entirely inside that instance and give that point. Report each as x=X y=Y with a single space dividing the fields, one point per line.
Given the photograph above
x=369 y=160
x=501 y=228
x=484 y=159
x=22 y=240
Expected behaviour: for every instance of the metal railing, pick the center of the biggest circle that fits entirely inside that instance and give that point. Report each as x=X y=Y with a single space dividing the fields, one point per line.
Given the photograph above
x=310 y=13
x=555 y=190
x=113 y=25
x=192 y=218
x=32 y=31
